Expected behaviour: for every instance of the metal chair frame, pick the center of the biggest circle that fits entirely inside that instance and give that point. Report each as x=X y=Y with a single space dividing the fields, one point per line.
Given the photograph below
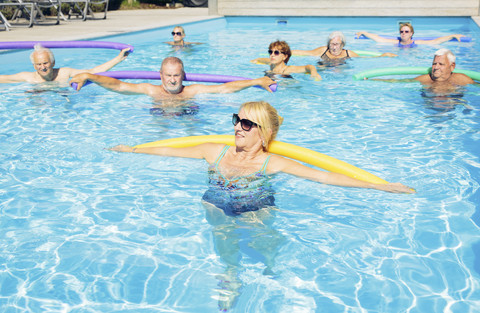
x=35 y=11
x=95 y=2
x=20 y=8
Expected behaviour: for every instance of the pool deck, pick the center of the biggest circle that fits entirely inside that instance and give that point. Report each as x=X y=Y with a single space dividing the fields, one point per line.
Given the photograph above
x=117 y=22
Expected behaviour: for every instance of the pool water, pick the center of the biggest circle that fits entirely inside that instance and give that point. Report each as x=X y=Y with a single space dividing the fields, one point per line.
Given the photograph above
x=84 y=229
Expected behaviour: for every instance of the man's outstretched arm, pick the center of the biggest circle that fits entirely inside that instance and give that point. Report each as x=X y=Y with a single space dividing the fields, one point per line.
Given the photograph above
x=231 y=87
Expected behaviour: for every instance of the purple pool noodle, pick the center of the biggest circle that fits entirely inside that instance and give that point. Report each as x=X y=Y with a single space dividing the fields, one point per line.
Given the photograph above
x=194 y=77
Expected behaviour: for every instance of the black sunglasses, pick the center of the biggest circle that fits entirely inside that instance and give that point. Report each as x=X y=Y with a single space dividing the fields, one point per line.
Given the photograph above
x=404 y=31
x=246 y=124
x=276 y=52
x=176 y=33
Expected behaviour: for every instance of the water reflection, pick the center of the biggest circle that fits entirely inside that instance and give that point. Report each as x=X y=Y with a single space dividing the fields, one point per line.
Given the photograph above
x=249 y=234
x=176 y=111
x=49 y=93
x=444 y=101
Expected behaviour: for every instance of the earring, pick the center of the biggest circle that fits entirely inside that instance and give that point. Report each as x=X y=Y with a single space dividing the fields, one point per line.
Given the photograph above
x=263 y=143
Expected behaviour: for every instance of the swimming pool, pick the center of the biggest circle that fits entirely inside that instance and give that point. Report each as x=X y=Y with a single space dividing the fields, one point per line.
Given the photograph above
x=84 y=229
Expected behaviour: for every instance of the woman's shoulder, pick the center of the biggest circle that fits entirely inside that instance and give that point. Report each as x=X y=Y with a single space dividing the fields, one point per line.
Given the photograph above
x=351 y=53
x=212 y=150
x=320 y=50
x=277 y=163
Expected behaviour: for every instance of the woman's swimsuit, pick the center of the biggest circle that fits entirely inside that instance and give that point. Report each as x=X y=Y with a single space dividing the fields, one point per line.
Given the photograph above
x=277 y=76
x=328 y=61
x=240 y=194
x=411 y=45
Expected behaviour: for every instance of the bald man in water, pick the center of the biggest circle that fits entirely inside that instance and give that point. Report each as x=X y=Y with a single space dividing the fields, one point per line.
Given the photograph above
x=172 y=75
x=44 y=62
x=441 y=78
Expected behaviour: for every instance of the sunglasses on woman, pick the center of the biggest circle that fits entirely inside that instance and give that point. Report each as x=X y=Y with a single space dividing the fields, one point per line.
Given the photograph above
x=176 y=33
x=246 y=124
x=404 y=31
x=276 y=52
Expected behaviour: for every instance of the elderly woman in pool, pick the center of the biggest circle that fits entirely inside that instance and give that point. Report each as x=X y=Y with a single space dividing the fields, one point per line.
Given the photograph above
x=280 y=53
x=405 y=40
x=246 y=165
x=334 y=51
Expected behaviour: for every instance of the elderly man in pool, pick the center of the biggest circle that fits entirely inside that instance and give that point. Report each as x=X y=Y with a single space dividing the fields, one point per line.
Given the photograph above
x=441 y=78
x=172 y=74
x=442 y=71
x=44 y=62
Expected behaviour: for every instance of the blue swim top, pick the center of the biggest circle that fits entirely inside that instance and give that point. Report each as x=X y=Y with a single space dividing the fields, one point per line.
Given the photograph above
x=411 y=45
x=238 y=194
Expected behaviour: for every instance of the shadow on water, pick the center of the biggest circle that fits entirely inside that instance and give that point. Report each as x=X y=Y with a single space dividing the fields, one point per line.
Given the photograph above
x=49 y=94
x=184 y=110
x=471 y=144
x=444 y=105
x=184 y=51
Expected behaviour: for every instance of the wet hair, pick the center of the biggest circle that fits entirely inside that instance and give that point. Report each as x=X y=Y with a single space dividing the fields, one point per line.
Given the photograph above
x=408 y=25
x=38 y=48
x=283 y=47
x=337 y=34
x=172 y=60
x=450 y=56
x=181 y=29
x=266 y=116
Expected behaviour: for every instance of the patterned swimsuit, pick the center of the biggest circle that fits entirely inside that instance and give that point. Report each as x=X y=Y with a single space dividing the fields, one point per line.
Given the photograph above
x=240 y=194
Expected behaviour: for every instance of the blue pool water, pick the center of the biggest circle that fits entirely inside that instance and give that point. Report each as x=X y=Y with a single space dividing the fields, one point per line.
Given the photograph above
x=84 y=229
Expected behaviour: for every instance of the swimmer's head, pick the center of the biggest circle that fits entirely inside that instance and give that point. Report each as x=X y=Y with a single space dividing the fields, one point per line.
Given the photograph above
x=39 y=49
x=283 y=47
x=402 y=25
x=43 y=62
x=172 y=74
x=443 y=65
x=450 y=56
x=179 y=29
x=266 y=116
x=336 y=34
x=178 y=34
x=172 y=61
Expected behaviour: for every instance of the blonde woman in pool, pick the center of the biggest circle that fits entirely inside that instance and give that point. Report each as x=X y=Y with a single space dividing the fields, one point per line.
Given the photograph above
x=240 y=202
x=405 y=40
x=179 y=35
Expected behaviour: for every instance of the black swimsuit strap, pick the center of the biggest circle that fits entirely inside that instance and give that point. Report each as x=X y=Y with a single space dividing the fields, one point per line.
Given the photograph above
x=330 y=57
x=324 y=53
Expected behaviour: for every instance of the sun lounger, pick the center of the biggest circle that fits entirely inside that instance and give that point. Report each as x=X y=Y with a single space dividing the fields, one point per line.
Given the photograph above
x=33 y=8
x=21 y=9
